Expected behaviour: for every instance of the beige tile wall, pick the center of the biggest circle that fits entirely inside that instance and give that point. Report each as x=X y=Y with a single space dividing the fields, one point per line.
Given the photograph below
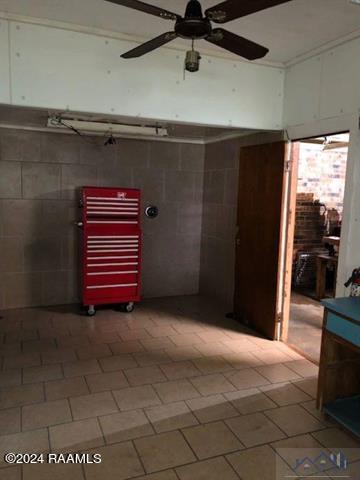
x=39 y=177
x=221 y=172
x=221 y=176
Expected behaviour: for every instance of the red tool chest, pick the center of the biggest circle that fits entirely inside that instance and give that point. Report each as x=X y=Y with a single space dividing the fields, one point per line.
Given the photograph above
x=111 y=247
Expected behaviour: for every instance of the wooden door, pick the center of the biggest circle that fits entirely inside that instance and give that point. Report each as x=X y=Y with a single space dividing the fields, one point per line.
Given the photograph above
x=259 y=237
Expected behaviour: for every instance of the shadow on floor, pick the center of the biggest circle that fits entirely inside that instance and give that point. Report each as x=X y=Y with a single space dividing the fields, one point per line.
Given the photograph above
x=306 y=317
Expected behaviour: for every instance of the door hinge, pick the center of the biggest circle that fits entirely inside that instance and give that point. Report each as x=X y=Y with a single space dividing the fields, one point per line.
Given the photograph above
x=278 y=327
x=288 y=165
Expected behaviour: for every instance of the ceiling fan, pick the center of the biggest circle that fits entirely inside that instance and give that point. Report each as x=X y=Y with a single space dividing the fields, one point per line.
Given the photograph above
x=195 y=26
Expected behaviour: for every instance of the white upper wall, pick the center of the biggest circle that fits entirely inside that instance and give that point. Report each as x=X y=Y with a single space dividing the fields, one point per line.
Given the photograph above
x=63 y=69
x=4 y=63
x=324 y=86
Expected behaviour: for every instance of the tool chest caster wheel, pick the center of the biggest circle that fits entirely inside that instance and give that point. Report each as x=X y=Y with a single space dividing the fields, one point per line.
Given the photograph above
x=91 y=311
x=129 y=307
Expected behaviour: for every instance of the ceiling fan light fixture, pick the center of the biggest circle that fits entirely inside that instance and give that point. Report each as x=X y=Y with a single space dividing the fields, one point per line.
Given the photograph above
x=192 y=61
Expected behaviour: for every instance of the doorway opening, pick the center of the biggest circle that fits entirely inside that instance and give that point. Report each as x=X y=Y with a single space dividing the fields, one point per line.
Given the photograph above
x=319 y=168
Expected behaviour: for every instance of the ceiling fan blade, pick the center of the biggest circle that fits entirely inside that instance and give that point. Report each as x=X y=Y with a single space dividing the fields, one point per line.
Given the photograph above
x=235 y=44
x=232 y=9
x=146 y=8
x=150 y=45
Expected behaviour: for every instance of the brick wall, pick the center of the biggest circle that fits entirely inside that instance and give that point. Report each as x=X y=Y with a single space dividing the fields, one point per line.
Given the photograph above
x=309 y=230
x=310 y=223
x=323 y=174
x=321 y=184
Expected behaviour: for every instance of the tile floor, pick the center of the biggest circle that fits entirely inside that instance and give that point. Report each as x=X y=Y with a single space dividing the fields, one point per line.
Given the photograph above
x=173 y=391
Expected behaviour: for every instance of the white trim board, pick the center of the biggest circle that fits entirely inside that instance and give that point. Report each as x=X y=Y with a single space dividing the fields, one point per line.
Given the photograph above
x=196 y=141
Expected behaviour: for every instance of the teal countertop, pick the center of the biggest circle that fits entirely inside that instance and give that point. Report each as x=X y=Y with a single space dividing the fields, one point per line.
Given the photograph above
x=347 y=306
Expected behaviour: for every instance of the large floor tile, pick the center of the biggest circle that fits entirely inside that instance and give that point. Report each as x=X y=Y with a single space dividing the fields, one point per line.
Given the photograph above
x=155 y=357
x=183 y=353
x=93 y=405
x=45 y=414
x=136 y=397
x=123 y=426
x=21 y=361
x=337 y=439
x=171 y=416
x=86 y=352
x=45 y=471
x=212 y=439
x=294 y=420
x=277 y=373
x=259 y=463
x=186 y=339
x=117 y=362
x=271 y=355
x=132 y=346
x=250 y=401
x=291 y=449
x=154 y=344
x=144 y=375
x=176 y=390
x=307 y=385
x=81 y=367
x=21 y=395
x=76 y=436
x=68 y=387
x=212 y=384
x=162 y=451
x=119 y=462
x=101 y=382
x=254 y=429
x=216 y=364
x=240 y=360
x=10 y=421
x=212 y=408
x=24 y=442
x=134 y=334
x=59 y=355
x=213 y=469
x=179 y=370
x=246 y=378
x=310 y=406
x=166 y=475
x=304 y=368
x=12 y=473
x=43 y=373
x=285 y=394
x=10 y=378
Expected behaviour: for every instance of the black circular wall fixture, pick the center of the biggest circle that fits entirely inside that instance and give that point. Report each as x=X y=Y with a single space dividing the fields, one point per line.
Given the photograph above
x=151 y=211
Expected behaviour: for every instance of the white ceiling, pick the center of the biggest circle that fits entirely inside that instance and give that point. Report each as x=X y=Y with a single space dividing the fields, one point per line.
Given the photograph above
x=289 y=30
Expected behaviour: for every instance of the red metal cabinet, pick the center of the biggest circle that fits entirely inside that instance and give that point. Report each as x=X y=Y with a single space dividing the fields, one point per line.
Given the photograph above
x=111 y=247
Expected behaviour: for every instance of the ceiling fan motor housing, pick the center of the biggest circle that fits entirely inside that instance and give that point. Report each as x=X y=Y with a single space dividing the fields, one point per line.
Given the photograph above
x=194 y=24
